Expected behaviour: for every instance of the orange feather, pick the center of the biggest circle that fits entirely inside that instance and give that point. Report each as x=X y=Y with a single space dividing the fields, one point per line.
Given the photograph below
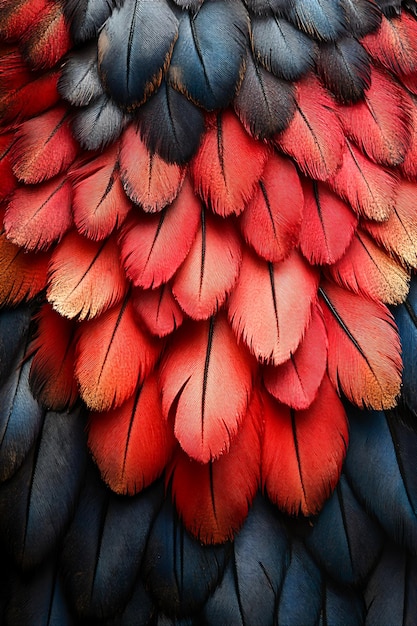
x=23 y=275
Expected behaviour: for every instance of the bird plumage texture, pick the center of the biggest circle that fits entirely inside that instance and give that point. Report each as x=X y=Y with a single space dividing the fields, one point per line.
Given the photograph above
x=208 y=325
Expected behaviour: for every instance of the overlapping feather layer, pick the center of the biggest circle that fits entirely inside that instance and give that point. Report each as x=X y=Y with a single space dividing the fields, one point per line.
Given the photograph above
x=217 y=200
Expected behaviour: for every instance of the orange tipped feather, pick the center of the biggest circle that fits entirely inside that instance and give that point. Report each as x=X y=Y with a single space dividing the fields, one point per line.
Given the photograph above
x=206 y=382
x=23 y=275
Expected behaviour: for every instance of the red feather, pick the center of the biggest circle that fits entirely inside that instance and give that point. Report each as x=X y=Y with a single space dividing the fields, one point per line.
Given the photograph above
x=23 y=275
x=296 y=382
x=314 y=137
x=157 y=310
x=228 y=165
x=47 y=39
x=52 y=370
x=148 y=180
x=20 y=15
x=132 y=444
x=367 y=187
x=368 y=270
x=303 y=451
x=85 y=277
x=100 y=204
x=364 y=348
x=44 y=147
x=154 y=246
x=270 y=306
x=8 y=181
x=39 y=216
x=222 y=490
x=206 y=381
x=409 y=165
x=328 y=224
x=211 y=268
x=113 y=355
x=271 y=221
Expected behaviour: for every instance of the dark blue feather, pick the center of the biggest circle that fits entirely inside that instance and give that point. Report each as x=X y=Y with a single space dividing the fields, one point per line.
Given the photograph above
x=98 y=124
x=341 y=606
x=209 y=54
x=88 y=16
x=249 y=591
x=362 y=16
x=406 y=319
x=380 y=465
x=344 y=68
x=324 y=20
x=37 y=503
x=180 y=572
x=14 y=328
x=105 y=544
x=344 y=540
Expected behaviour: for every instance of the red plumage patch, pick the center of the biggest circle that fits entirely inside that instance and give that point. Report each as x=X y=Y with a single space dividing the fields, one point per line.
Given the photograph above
x=113 y=355
x=364 y=357
x=213 y=499
x=39 y=216
x=296 y=382
x=148 y=180
x=132 y=444
x=154 y=246
x=85 y=277
x=367 y=187
x=23 y=275
x=368 y=270
x=271 y=221
x=52 y=370
x=328 y=224
x=380 y=125
x=48 y=38
x=8 y=181
x=409 y=165
x=211 y=268
x=17 y=16
x=270 y=306
x=206 y=381
x=100 y=204
x=157 y=310
x=303 y=451
x=44 y=147
x=314 y=137
x=228 y=164
x=394 y=45
x=398 y=234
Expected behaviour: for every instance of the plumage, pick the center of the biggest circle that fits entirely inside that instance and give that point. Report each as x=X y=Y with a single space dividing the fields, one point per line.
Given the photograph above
x=207 y=312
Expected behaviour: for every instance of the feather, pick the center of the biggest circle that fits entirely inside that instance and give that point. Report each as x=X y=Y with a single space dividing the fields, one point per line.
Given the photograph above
x=157 y=310
x=14 y=328
x=328 y=224
x=321 y=19
x=17 y=17
x=272 y=219
x=303 y=451
x=342 y=604
x=44 y=147
x=105 y=544
x=99 y=202
x=314 y=137
x=367 y=187
x=36 y=504
x=134 y=48
x=52 y=371
x=147 y=254
x=364 y=348
x=148 y=180
x=380 y=125
x=8 y=180
x=79 y=83
x=394 y=45
x=282 y=49
x=344 y=68
x=253 y=578
x=296 y=382
x=344 y=540
x=38 y=216
x=208 y=79
x=77 y=267
x=222 y=489
x=23 y=276
x=362 y=16
x=264 y=103
x=211 y=268
x=98 y=124
x=20 y=418
x=87 y=17
x=388 y=488
x=204 y=367
x=171 y=125
x=113 y=354
x=228 y=165
x=409 y=165
x=366 y=269
x=180 y=571
x=47 y=39
x=132 y=444
x=270 y=306
x=398 y=234
x=406 y=319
